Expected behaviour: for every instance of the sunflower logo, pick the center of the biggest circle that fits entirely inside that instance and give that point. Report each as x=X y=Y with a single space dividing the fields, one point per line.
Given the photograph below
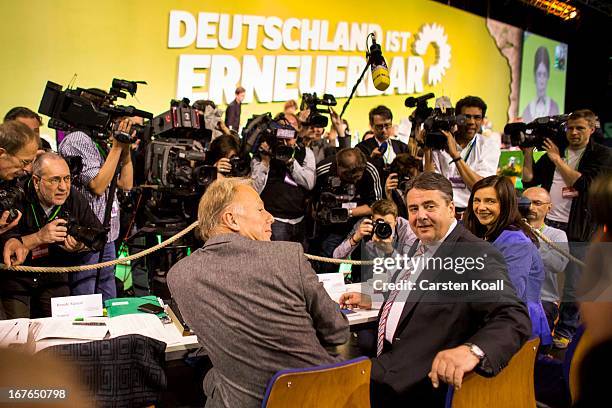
x=434 y=34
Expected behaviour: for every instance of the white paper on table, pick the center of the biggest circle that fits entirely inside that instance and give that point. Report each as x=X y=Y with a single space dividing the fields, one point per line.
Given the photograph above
x=142 y=323
x=55 y=328
x=333 y=284
x=14 y=331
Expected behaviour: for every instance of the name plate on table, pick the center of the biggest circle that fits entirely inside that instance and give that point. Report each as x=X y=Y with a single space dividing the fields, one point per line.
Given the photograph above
x=77 y=306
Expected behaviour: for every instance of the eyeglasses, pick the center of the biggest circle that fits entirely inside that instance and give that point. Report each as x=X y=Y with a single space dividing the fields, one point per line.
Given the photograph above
x=539 y=203
x=55 y=181
x=475 y=117
x=24 y=162
x=384 y=126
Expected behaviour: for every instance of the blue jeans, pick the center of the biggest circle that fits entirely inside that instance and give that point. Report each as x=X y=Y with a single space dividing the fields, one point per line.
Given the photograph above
x=569 y=318
x=83 y=283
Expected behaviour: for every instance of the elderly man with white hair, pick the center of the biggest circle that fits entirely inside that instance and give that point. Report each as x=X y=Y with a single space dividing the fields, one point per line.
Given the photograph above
x=256 y=305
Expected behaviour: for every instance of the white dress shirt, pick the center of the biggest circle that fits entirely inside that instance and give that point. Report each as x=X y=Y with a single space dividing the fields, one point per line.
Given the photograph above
x=398 y=305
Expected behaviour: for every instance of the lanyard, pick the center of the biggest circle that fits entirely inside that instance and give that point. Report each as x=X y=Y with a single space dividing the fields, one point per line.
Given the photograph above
x=101 y=150
x=465 y=159
x=57 y=210
x=577 y=161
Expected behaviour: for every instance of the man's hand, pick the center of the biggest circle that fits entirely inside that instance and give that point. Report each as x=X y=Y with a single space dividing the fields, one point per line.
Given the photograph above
x=223 y=165
x=552 y=150
x=5 y=225
x=390 y=185
x=337 y=122
x=451 y=144
x=265 y=155
x=125 y=129
x=55 y=231
x=72 y=245
x=365 y=229
x=14 y=252
x=375 y=153
x=450 y=366
x=350 y=300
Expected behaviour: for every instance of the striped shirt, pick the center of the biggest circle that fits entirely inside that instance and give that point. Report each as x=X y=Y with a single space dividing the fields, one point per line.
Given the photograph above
x=81 y=145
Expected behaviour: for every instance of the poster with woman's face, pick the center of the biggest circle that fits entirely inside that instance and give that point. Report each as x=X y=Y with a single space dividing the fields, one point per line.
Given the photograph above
x=543 y=74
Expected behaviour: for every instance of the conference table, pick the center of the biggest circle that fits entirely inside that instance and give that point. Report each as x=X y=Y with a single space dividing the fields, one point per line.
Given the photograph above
x=184 y=342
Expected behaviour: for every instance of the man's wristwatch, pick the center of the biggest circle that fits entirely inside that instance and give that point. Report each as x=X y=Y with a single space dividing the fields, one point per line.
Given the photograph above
x=475 y=350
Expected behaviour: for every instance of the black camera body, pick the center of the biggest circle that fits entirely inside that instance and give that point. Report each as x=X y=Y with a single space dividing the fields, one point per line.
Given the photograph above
x=94 y=238
x=330 y=208
x=89 y=109
x=181 y=121
x=438 y=121
x=312 y=102
x=382 y=229
x=9 y=198
x=240 y=166
x=534 y=133
x=262 y=128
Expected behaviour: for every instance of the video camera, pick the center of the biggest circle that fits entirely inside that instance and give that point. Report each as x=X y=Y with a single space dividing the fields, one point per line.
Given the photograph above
x=312 y=102
x=330 y=208
x=434 y=120
x=9 y=198
x=94 y=238
x=534 y=133
x=262 y=128
x=91 y=110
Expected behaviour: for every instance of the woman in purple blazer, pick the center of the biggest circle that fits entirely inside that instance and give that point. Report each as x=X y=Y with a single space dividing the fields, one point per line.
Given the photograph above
x=492 y=214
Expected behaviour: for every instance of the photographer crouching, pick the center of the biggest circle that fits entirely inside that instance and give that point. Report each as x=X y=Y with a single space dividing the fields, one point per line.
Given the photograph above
x=100 y=160
x=283 y=173
x=385 y=233
x=347 y=184
x=57 y=221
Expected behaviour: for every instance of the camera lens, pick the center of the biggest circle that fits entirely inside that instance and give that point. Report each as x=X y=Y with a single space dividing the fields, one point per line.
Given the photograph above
x=382 y=229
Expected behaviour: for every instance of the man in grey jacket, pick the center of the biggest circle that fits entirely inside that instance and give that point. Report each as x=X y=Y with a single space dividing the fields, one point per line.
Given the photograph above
x=256 y=306
x=554 y=262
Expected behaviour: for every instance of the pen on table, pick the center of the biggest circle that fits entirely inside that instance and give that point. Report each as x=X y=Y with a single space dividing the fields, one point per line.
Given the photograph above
x=88 y=324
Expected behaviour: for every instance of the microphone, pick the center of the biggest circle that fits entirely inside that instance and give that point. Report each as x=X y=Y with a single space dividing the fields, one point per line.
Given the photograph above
x=380 y=71
x=411 y=101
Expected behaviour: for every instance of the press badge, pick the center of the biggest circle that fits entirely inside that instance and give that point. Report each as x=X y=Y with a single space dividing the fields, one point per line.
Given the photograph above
x=569 y=192
x=457 y=182
x=40 y=251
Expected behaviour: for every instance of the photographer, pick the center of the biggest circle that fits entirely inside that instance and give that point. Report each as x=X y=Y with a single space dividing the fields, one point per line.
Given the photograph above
x=354 y=183
x=404 y=168
x=51 y=204
x=100 y=161
x=283 y=181
x=383 y=147
x=18 y=147
x=312 y=128
x=220 y=154
x=469 y=156
x=566 y=174
x=386 y=239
